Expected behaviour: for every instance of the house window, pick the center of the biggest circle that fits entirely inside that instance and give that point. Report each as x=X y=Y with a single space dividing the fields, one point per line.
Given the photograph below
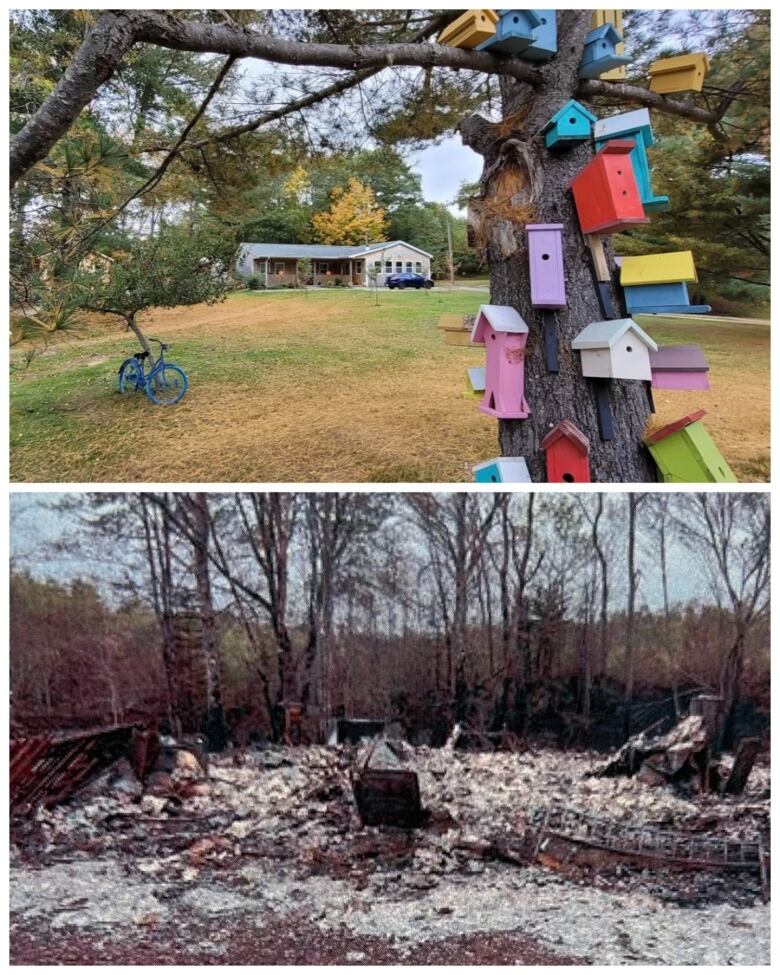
x=408 y=267
x=399 y=266
x=418 y=267
x=378 y=267
x=322 y=267
x=388 y=267
x=358 y=267
x=279 y=267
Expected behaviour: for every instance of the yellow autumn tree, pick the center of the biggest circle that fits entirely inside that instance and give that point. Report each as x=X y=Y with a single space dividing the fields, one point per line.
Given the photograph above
x=354 y=216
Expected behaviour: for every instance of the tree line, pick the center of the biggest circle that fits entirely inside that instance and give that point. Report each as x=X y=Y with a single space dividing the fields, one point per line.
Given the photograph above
x=212 y=612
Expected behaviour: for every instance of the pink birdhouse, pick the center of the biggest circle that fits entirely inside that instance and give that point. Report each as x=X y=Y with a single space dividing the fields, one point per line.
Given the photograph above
x=504 y=334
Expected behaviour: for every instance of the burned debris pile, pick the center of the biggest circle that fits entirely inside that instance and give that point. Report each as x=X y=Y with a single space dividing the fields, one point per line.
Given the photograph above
x=416 y=816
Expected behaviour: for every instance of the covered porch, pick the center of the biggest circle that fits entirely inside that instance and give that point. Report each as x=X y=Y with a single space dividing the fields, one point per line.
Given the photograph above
x=323 y=271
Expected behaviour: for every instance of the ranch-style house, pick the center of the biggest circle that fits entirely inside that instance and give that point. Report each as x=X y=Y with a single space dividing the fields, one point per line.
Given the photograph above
x=278 y=263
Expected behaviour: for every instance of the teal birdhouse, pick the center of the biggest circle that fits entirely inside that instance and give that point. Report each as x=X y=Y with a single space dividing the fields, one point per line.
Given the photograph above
x=600 y=53
x=514 y=32
x=634 y=126
x=570 y=126
x=502 y=470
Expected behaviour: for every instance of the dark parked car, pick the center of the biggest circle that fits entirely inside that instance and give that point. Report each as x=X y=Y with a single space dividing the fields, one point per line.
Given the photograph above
x=408 y=280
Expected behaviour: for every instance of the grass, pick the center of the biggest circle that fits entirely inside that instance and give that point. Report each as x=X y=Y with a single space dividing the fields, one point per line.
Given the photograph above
x=322 y=387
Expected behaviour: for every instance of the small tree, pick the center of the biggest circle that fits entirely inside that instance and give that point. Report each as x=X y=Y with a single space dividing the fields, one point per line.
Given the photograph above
x=304 y=273
x=373 y=280
x=354 y=216
x=175 y=268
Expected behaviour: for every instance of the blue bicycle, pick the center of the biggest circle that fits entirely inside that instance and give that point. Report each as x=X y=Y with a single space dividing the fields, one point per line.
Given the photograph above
x=164 y=384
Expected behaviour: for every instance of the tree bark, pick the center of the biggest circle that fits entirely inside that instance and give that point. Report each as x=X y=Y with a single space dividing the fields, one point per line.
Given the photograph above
x=524 y=182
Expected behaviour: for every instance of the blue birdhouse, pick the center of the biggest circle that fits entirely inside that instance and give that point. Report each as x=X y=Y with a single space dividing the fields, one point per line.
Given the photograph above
x=514 y=32
x=570 y=126
x=669 y=298
x=600 y=54
x=634 y=126
x=545 y=42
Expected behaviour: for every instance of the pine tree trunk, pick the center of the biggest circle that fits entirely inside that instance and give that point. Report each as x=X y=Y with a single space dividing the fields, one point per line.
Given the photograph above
x=524 y=182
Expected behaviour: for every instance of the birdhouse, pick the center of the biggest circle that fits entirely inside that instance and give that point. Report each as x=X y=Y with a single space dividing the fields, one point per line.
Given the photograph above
x=502 y=470
x=514 y=32
x=618 y=349
x=471 y=29
x=570 y=126
x=600 y=52
x=545 y=257
x=605 y=191
x=683 y=73
x=658 y=268
x=545 y=43
x=686 y=454
x=661 y=299
x=504 y=334
x=679 y=367
x=454 y=330
x=614 y=17
x=567 y=450
x=475 y=382
x=636 y=127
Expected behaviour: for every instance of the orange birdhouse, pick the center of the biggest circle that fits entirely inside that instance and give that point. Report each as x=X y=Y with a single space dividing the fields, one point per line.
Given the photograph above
x=567 y=450
x=606 y=193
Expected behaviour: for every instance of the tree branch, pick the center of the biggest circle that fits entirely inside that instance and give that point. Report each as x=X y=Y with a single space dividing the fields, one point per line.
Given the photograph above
x=642 y=96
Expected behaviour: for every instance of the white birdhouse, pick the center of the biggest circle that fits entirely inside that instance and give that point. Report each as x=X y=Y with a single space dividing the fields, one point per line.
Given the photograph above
x=618 y=349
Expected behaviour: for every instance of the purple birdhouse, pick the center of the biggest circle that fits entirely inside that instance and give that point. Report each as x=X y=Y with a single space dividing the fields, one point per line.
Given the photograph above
x=545 y=256
x=679 y=367
x=504 y=334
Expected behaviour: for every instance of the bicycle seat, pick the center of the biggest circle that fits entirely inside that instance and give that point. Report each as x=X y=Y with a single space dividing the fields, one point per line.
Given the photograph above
x=140 y=356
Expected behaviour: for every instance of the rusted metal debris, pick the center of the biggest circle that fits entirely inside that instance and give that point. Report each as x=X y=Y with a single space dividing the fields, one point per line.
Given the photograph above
x=46 y=769
x=387 y=796
x=639 y=844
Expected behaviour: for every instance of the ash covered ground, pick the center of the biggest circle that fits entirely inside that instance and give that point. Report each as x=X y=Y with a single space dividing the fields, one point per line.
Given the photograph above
x=266 y=861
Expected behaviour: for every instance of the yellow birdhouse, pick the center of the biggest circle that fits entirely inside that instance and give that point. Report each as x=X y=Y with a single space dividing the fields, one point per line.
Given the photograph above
x=615 y=18
x=470 y=29
x=683 y=73
x=455 y=330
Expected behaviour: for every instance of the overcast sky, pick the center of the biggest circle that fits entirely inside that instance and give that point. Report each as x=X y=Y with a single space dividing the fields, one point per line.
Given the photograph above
x=36 y=529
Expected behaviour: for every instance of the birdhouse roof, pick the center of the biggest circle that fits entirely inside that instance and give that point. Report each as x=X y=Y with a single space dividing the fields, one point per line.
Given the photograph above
x=514 y=470
x=658 y=269
x=605 y=32
x=570 y=106
x=501 y=318
x=617 y=125
x=675 y=427
x=603 y=335
x=568 y=430
x=679 y=358
x=476 y=377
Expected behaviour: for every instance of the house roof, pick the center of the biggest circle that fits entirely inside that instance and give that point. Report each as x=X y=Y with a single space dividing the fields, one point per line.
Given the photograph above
x=321 y=251
x=616 y=125
x=572 y=433
x=658 y=268
x=675 y=427
x=501 y=318
x=570 y=106
x=603 y=335
x=678 y=358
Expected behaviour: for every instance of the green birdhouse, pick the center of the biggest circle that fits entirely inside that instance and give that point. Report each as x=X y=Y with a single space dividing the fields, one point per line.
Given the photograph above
x=686 y=454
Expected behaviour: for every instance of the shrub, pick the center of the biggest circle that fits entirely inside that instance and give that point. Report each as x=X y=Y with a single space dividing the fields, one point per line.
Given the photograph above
x=253 y=282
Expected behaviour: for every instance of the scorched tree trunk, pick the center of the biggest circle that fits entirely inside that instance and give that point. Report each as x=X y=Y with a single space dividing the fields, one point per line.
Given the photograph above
x=524 y=182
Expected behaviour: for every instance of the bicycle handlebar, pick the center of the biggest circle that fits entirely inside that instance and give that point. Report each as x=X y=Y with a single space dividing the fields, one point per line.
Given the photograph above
x=162 y=345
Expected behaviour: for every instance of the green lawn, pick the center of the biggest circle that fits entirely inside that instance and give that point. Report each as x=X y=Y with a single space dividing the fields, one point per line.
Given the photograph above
x=326 y=386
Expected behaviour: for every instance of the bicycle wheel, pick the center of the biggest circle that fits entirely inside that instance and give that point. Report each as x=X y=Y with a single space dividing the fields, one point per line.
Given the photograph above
x=130 y=376
x=167 y=386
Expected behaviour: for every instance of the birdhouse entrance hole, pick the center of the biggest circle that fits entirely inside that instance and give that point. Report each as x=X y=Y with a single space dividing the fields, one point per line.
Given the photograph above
x=629 y=348
x=545 y=257
x=569 y=478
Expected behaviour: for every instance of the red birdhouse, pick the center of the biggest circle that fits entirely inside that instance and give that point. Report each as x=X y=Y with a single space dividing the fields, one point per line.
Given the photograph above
x=606 y=193
x=567 y=451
